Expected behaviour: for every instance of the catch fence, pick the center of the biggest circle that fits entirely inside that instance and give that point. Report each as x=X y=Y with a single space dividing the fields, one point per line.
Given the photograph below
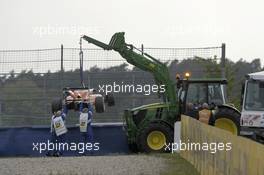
x=31 y=79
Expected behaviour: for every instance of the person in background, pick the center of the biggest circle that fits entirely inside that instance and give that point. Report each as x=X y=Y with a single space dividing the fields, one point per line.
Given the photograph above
x=205 y=114
x=58 y=131
x=86 y=114
x=191 y=111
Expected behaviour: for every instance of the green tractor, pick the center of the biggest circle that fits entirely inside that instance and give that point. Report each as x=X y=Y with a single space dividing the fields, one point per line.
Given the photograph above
x=150 y=128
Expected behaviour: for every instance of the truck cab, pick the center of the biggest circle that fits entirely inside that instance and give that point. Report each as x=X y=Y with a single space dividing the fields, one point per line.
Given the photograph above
x=252 y=115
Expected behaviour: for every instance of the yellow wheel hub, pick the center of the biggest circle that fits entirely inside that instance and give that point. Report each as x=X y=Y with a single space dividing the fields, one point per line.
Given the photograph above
x=226 y=124
x=156 y=140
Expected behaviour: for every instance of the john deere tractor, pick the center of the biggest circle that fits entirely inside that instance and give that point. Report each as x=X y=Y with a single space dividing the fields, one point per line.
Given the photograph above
x=150 y=127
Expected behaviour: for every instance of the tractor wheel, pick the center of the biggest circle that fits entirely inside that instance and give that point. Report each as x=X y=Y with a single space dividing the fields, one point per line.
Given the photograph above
x=228 y=119
x=99 y=105
x=56 y=105
x=109 y=98
x=154 y=138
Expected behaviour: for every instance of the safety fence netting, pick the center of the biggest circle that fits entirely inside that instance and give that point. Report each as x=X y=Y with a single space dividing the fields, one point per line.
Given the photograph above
x=31 y=79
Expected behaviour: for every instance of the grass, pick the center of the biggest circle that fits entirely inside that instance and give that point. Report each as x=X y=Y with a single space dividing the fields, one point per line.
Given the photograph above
x=177 y=165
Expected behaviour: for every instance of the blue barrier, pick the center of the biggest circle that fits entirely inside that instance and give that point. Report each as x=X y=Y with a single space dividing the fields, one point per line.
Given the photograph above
x=19 y=141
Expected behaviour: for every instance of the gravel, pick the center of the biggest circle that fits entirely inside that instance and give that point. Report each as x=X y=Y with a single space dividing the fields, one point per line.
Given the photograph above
x=86 y=165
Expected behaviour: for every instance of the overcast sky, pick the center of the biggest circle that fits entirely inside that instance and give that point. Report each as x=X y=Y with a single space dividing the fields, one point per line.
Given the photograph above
x=34 y=24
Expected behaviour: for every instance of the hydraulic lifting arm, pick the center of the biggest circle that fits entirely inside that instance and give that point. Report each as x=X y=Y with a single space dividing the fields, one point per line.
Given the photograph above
x=145 y=62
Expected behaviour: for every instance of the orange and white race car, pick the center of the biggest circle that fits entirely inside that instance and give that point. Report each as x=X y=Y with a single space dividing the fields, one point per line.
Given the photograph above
x=72 y=97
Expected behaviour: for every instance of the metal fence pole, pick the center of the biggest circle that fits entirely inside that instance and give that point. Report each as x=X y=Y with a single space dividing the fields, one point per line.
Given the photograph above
x=133 y=96
x=1 y=99
x=62 y=69
x=45 y=94
x=89 y=81
x=223 y=58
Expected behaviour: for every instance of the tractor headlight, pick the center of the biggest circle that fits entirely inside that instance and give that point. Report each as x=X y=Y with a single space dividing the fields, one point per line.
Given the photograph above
x=187 y=75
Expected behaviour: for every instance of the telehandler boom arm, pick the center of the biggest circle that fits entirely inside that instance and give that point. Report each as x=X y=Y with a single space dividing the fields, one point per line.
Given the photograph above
x=144 y=62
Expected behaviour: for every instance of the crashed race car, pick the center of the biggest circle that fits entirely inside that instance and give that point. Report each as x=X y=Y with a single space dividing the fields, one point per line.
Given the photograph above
x=72 y=97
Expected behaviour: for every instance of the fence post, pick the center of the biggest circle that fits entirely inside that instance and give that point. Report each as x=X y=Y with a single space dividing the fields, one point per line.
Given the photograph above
x=133 y=96
x=142 y=49
x=89 y=81
x=46 y=108
x=62 y=69
x=223 y=57
x=1 y=100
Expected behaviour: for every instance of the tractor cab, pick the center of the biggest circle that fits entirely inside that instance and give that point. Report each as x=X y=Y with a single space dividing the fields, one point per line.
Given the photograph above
x=196 y=92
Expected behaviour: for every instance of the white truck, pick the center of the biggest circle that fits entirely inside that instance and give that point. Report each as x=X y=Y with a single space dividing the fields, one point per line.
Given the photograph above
x=252 y=114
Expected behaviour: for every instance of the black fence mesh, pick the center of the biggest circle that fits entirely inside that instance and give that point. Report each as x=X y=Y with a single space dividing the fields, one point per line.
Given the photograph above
x=31 y=79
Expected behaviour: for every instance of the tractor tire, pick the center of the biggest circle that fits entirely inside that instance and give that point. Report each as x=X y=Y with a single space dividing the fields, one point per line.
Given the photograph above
x=154 y=138
x=109 y=98
x=228 y=119
x=133 y=147
x=99 y=105
x=56 y=105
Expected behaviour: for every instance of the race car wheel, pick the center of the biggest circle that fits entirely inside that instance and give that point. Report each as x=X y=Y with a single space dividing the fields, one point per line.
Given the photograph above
x=99 y=105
